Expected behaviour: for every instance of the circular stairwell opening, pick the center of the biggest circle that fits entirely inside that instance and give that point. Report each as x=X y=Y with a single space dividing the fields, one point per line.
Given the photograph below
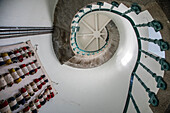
x=93 y=35
x=91 y=39
x=94 y=39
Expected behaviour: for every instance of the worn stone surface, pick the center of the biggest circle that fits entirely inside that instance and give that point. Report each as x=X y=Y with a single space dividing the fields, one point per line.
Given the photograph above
x=61 y=45
x=165 y=6
x=99 y=59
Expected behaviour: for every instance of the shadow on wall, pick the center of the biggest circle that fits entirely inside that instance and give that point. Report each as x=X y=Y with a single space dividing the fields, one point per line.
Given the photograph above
x=51 y=4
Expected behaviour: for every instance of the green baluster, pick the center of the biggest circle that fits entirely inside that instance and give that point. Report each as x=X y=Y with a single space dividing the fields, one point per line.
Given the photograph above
x=162 y=44
x=100 y=4
x=81 y=11
x=134 y=103
x=164 y=64
x=72 y=38
x=75 y=28
x=78 y=52
x=74 y=48
x=155 y=24
x=74 y=21
x=90 y=7
x=160 y=82
x=88 y=54
x=72 y=44
x=77 y=16
x=114 y=4
x=153 y=99
x=134 y=8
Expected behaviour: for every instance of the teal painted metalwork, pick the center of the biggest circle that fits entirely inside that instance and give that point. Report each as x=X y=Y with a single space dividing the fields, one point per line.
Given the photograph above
x=72 y=44
x=162 y=44
x=78 y=52
x=74 y=21
x=164 y=64
x=153 y=99
x=77 y=16
x=134 y=103
x=75 y=28
x=90 y=7
x=155 y=24
x=81 y=11
x=139 y=46
x=72 y=38
x=134 y=8
x=88 y=54
x=114 y=4
x=160 y=82
x=100 y=4
x=74 y=48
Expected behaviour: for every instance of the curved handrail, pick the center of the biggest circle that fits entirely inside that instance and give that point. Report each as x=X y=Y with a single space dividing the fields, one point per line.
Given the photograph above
x=163 y=46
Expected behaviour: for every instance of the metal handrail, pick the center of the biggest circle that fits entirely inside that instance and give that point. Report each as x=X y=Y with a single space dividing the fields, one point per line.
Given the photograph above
x=163 y=45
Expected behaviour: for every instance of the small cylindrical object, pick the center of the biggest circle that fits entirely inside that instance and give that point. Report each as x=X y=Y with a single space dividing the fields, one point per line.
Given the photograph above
x=19 y=56
x=20 y=72
x=15 y=76
x=9 y=79
x=34 y=66
x=33 y=107
x=29 y=90
x=6 y=58
x=37 y=103
x=2 y=62
x=4 y=107
x=30 y=69
x=23 y=53
x=37 y=82
x=25 y=94
x=13 y=103
x=3 y=83
x=51 y=91
x=31 y=51
x=24 y=69
x=13 y=57
x=42 y=81
x=48 y=93
x=34 y=86
x=20 y=99
x=27 y=110
x=41 y=99
x=45 y=96
x=37 y=64
x=27 y=52
x=44 y=78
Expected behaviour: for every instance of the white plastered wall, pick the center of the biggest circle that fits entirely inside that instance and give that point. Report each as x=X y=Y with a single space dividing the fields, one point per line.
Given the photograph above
x=98 y=90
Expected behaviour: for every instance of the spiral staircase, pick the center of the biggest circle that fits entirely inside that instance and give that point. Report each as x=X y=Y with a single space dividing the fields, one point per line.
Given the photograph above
x=135 y=39
x=129 y=46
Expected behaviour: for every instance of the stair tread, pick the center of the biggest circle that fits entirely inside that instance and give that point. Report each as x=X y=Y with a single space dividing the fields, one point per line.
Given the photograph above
x=122 y=8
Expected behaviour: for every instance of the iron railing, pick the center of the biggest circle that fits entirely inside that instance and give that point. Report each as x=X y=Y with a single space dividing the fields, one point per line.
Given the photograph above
x=153 y=100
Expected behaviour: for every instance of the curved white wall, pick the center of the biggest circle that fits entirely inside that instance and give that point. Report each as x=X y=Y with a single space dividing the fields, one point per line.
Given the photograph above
x=98 y=90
